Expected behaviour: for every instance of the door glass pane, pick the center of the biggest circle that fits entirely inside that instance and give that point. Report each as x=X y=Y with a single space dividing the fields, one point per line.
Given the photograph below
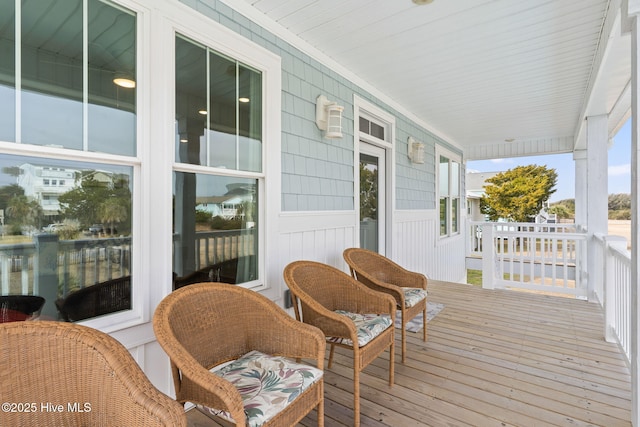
x=7 y=71
x=215 y=229
x=112 y=73
x=52 y=73
x=369 y=202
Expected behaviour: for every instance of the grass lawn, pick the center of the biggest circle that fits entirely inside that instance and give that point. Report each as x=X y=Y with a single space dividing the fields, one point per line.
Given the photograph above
x=474 y=277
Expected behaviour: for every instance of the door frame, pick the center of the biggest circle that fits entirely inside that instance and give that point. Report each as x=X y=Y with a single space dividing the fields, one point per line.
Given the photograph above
x=379 y=116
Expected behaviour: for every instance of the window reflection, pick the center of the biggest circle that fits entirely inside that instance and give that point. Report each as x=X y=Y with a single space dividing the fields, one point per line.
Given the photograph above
x=65 y=233
x=56 y=81
x=215 y=229
x=220 y=126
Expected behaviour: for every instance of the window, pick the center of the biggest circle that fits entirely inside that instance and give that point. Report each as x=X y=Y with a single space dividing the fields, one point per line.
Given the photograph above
x=449 y=193
x=59 y=89
x=217 y=210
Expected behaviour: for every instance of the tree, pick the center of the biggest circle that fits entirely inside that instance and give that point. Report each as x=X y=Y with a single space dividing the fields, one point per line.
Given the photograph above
x=561 y=211
x=25 y=211
x=368 y=193
x=113 y=212
x=9 y=191
x=519 y=193
x=86 y=202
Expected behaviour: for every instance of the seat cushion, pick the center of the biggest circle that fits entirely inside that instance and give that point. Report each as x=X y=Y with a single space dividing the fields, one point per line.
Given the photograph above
x=412 y=296
x=368 y=326
x=267 y=384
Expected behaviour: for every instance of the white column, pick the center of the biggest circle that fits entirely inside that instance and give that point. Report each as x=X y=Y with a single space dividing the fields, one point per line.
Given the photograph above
x=580 y=158
x=597 y=192
x=633 y=10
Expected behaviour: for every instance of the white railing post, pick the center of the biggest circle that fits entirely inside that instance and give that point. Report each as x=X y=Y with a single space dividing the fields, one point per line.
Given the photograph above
x=612 y=303
x=488 y=257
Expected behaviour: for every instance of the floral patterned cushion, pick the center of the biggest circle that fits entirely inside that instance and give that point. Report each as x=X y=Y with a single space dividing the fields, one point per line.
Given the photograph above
x=412 y=296
x=266 y=383
x=369 y=326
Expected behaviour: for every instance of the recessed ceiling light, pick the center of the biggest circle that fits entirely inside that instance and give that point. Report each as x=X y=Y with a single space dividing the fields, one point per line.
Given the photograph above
x=509 y=139
x=421 y=2
x=203 y=112
x=243 y=99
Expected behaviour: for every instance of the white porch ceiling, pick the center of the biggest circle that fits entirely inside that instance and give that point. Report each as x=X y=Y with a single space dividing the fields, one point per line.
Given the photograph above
x=476 y=72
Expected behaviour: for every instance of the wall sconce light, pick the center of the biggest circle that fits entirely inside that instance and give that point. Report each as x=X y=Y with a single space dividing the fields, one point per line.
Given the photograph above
x=329 y=117
x=416 y=151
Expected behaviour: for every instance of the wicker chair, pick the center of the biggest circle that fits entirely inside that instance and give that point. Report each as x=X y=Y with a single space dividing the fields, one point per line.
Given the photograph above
x=63 y=374
x=204 y=325
x=20 y=307
x=323 y=294
x=96 y=300
x=381 y=274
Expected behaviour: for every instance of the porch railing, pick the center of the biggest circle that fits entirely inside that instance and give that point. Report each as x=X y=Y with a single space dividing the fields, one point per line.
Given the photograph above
x=614 y=273
x=540 y=257
x=553 y=258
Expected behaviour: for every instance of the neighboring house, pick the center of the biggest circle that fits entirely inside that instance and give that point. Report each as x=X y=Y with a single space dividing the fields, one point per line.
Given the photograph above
x=227 y=206
x=474 y=183
x=45 y=184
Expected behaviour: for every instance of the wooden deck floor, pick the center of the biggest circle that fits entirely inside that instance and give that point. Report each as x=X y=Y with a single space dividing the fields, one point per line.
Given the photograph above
x=492 y=358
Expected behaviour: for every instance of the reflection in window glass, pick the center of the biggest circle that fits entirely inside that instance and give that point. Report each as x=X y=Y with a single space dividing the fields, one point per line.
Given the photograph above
x=57 y=81
x=449 y=192
x=112 y=73
x=443 y=216
x=7 y=71
x=52 y=74
x=220 y=127
x=69 y=243
x=215 y=229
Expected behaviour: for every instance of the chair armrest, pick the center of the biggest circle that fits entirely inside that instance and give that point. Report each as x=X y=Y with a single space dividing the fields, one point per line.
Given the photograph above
x=294 y=339
x=197 y=384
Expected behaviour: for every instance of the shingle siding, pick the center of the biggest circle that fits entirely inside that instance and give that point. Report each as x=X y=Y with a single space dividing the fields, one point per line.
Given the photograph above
x=318 y=173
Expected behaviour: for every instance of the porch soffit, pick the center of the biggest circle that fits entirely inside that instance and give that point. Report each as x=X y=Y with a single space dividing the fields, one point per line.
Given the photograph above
x=476 y=72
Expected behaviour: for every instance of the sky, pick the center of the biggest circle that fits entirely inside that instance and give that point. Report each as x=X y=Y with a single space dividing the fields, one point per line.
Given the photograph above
x=619 y=166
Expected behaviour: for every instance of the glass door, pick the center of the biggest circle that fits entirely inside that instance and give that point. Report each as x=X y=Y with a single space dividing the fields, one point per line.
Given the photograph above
x=372 y=198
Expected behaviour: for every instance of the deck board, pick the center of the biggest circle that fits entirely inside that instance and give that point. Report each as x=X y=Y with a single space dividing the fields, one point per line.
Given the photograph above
x=492 y=358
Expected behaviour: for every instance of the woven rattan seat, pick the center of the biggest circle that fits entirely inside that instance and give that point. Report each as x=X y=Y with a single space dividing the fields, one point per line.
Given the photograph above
x=204 y=325
x=318 y=291
x=64 y=374
x=381 y=274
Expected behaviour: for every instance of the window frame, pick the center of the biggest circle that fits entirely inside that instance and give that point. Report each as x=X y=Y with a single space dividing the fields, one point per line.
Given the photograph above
x=139 y=312
x=230 y=44
x=452 y=158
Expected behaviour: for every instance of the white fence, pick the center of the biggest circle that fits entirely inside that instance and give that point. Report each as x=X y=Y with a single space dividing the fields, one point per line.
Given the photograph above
x=614 y=272
x=540 y=257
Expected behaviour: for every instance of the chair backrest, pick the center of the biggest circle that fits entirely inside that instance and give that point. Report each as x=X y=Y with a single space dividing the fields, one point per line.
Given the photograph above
x=19 y=307
x=371 y=266
x=319 y=282
x=215 y=322
x=76 y=375
x=96 y=300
